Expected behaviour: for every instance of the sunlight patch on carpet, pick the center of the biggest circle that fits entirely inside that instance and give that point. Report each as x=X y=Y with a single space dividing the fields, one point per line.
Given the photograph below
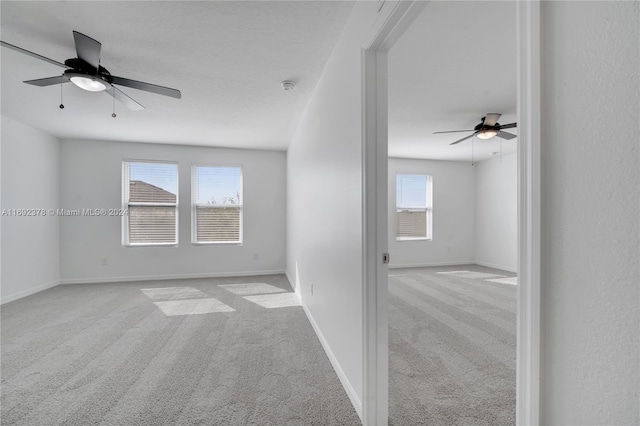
x=270 y=301
x=253 y=288
x=508 y=280
x=172 y=293
x=192 y=307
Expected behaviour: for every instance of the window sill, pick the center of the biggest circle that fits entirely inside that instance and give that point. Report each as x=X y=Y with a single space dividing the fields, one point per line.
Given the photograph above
x=414 y=239
x=217 y=243
x=151 y=245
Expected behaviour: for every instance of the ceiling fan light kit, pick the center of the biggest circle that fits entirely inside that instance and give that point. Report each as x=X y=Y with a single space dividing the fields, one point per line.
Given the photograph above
x=86 y=73
x=88 y=83
x=486 y=134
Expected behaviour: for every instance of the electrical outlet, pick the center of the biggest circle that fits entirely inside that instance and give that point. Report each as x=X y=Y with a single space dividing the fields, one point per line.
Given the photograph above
x=105 y=261
x=255 y=256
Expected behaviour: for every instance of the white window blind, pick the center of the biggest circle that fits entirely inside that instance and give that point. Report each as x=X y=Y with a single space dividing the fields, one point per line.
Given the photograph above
x=217 y=204
x=413 y=207
x=150 y=195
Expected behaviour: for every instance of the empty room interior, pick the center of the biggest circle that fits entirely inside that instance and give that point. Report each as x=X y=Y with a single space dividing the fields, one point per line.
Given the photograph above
x=183 y=197
x=453 y=236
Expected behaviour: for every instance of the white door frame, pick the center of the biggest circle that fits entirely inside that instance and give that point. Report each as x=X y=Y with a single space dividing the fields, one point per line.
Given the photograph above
x=394 y=18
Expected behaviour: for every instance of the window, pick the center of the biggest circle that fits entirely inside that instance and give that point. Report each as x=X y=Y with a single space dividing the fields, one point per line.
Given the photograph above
x=217 y=204
x=413 y=207
x=150 y=195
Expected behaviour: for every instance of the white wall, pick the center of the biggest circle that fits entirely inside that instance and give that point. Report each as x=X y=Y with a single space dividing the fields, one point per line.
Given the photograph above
x=590 y=213
x=496 y=190
x=30 y=178
x=453 y=215
x=324 y=214
x=91 y=177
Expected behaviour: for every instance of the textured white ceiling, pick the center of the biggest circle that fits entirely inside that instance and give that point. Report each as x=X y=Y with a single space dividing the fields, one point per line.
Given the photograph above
x=227 y=58
x=456 y=63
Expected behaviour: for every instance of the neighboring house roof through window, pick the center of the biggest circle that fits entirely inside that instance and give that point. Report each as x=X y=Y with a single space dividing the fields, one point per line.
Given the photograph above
x=143 y=192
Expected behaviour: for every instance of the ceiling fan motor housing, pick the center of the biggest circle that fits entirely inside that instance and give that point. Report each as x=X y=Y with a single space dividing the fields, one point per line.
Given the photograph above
x=81 y=67
x=482 y=126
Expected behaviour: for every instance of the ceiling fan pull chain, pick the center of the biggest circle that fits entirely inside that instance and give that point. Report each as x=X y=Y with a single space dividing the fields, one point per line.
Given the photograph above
x=500 y=150
x=113 y=89
x=473 y=139
x=61 y=84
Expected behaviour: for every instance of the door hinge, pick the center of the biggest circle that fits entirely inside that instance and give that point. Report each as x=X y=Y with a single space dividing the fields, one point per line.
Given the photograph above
x=385 y=257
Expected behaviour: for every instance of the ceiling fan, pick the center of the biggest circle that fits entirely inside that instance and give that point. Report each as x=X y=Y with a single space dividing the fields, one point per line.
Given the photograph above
x=488 y=128
x=86 y=72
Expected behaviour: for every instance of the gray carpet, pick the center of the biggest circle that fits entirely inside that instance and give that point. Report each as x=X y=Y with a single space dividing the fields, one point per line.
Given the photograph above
x=112 y=354
x=452 y=347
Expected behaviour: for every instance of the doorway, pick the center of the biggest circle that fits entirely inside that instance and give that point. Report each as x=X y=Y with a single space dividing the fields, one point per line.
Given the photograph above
x=400 y=17
x=453 y=217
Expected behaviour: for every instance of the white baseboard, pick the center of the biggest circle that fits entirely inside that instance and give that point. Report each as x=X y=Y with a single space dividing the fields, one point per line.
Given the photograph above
x=28 y=292
x=351 y=393
x=495 y=266
x=427 y=265
x=167 y=277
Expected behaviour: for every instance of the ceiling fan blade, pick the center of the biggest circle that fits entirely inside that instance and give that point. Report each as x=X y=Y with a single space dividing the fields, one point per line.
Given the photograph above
x=453 y=131
x=49 y=81
x=509 y=126
x=148 y=87
x=87 y=49
x=35 y=55
x=505 y=135
x=124 y=98
x=491 y=119
x=463 y=139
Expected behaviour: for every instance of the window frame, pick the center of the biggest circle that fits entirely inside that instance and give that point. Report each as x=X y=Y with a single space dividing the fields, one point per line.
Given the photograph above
x=195 y=205
x=126 y=182
x=428 y=208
